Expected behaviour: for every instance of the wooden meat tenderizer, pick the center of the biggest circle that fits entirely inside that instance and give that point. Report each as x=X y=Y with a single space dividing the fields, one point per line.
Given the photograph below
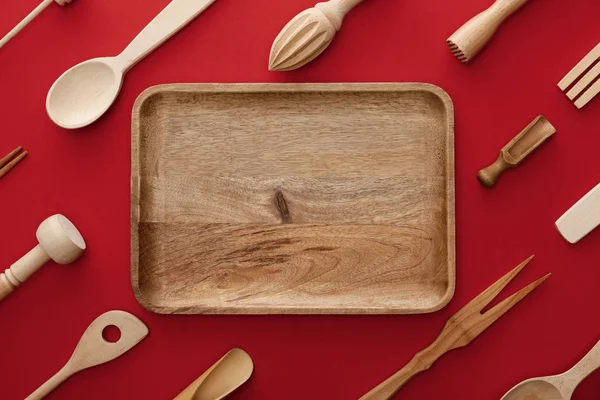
x=469 y=39
x=58 y=239
x=30 y=18
x=308 y=34
x=517 y=150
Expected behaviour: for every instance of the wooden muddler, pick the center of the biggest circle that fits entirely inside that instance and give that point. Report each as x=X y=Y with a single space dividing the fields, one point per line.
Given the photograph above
x=58 y=239
x=517 y=150
x=470 y=38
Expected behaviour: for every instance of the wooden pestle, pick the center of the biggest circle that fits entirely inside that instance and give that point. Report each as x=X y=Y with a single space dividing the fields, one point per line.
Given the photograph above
x=58 y=239
x=517 y=150
x=470 y=38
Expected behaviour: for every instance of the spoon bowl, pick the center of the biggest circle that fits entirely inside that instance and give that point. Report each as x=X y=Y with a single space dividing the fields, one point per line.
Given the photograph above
x=534 y=389
x=83 y=93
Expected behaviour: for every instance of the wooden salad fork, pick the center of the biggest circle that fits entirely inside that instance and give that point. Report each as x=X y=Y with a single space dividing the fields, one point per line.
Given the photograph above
x=584 y=76
x=459 y=331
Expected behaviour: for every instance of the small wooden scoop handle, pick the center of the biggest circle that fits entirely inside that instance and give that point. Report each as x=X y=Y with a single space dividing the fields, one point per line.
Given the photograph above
x=52 y=383
x=489 y=175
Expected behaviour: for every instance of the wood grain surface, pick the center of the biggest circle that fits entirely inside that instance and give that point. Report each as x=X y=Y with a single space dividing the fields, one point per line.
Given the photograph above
x=293 y=198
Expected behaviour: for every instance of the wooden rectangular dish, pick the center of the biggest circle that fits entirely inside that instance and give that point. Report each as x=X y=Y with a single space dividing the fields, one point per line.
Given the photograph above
x=293 y=199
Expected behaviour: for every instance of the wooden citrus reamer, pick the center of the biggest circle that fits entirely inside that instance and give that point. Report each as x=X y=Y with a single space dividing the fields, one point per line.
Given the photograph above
x=308 y=34
x=459 y=331
x=30 y=17
x=58 y=239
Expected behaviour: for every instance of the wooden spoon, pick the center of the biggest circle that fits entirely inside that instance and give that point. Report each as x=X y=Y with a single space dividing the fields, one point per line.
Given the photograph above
x=83 y=93
x=308 y=34
x=517 y=150
x=220 y=380
x=93 y=350
x=557 y=387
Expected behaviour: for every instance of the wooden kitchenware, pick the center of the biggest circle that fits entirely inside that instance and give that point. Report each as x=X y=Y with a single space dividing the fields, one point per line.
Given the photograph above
x=220 y=380
x=460 y=330
x=84 y=93
x=469 y=39
x=583 y=82
x=30 y=18
x=344 y=203
x=94 y=350
x=308 y=34
x=59 y=240
x=517 y=150
x=557 y=387
x=11 y=160
x=582 y=218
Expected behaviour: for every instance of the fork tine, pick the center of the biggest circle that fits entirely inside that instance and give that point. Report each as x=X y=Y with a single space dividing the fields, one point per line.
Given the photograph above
x=501 y=308
x=584 y=82
x=588 y=95
x=584 y=64
x=10 y=156
x=485 y=297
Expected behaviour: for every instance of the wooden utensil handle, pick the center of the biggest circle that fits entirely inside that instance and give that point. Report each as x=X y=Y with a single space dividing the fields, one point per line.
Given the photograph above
x=488 y=176
x=585 y=367
x=502 y=9
x=51 y=384
x=421 y=361
x=174 y=17
x=6 y=287
x=25 y=21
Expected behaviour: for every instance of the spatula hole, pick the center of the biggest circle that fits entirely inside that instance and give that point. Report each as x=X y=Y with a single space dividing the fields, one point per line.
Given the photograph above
x=111 y=334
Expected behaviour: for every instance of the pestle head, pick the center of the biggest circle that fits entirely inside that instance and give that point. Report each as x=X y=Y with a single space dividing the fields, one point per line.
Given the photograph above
x=60 y=239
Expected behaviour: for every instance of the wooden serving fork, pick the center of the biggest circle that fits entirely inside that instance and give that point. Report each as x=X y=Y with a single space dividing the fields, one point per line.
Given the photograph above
x=582 y=91
x=459 y=331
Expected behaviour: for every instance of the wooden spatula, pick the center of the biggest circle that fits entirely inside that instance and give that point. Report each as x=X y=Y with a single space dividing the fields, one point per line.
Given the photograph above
x=557 y=387
x=583 y=82
x=221 y=379
x=582 y=218
x=93 y=350
x=517 y=150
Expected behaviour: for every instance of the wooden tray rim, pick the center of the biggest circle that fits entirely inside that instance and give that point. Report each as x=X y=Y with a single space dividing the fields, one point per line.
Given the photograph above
x=148 y=93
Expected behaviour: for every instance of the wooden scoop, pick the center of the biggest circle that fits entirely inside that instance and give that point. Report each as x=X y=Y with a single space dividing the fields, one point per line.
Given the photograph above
x=557 y=387
x=306 y=36
x=220 y=380
x=517 y=150
x=94 y=350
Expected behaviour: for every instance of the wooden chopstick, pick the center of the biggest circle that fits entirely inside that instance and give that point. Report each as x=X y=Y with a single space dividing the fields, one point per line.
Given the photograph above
x=9 y=162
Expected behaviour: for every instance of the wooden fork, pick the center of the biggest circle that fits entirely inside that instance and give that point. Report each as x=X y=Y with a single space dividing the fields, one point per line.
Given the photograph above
x=592 y=58
x=460 y=330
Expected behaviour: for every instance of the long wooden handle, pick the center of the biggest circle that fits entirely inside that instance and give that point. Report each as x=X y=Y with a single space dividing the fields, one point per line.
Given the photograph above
x=502 y=9
x=585 y=367
x=489 y=175
x=52 y=383
x=21 y=270
x=25 y=21
x=170 y=20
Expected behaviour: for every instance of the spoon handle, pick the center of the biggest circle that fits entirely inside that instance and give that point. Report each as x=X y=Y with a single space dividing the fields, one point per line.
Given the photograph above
x=51 y=384
x=585 y=367
x=174 y=17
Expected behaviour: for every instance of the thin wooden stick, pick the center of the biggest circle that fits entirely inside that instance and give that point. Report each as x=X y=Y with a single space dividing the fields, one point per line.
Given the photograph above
x=6 y=164
x=25 y=22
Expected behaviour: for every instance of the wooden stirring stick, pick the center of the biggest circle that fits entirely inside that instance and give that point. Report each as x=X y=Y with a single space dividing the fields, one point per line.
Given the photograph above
x=517 y=150
x=30 y=18
x=9 y=162
x=460 y=330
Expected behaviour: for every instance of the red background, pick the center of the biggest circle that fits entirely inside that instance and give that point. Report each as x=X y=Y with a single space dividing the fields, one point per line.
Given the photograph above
x=85 y=175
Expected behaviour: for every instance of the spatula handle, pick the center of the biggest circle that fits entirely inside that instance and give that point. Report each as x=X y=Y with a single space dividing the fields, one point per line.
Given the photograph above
x=51 y=384
x=174 y=17
x=489 y=175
